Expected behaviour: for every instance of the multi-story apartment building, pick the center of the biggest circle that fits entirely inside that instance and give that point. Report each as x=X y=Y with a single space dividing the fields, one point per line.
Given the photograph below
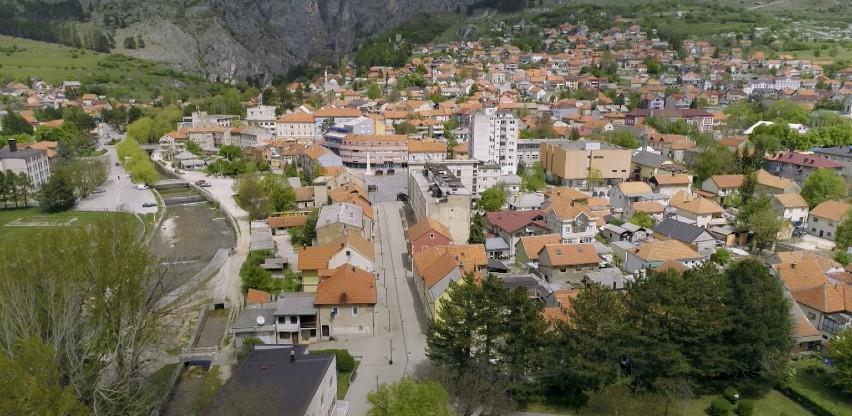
x=572 y=163
x=434 y=192
x=296 y=126
x=385 y=151
x=494 y=139
x=798 y=166
x=262 y=116
x=31 y=162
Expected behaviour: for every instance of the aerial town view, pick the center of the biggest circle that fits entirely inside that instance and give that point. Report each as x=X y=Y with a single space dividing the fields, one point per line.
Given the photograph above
x=426 y=207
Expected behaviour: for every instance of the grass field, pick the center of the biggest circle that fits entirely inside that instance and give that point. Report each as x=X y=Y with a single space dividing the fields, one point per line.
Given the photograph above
x=813 y=383
x=122 y=76
x=16 y=224
x=773 y=404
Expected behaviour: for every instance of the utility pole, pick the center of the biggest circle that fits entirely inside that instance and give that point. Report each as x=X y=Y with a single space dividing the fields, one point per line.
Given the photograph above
x=390 y=358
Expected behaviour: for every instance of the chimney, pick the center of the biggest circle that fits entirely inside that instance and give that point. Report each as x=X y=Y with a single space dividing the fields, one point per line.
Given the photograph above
x=13 y=145
x=292 y=355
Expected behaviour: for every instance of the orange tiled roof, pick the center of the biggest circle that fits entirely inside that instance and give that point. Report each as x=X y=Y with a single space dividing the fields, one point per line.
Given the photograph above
x=428 y=224
x=570 y=254
x=347 y=285
x=833 y=210
x=534 y=243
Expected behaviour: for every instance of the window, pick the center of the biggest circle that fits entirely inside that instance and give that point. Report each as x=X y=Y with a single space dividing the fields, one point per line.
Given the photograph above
x=354 y=311
x=431 y=235
x=294 y=319
x=334 y=311
x=563 y=270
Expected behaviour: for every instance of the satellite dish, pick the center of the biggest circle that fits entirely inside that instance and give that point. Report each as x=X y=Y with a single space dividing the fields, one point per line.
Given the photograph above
x=261 y=320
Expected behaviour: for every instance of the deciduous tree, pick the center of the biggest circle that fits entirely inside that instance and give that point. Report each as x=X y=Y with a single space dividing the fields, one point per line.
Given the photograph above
x=823 y=185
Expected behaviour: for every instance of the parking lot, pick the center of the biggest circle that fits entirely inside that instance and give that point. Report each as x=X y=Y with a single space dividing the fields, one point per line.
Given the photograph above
x=120 y=193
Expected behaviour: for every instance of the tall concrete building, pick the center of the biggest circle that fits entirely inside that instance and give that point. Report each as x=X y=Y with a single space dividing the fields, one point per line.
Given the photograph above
x=435 y=192
x=494 y=139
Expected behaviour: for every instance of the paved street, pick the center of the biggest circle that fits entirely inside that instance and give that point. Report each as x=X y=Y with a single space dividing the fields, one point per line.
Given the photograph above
x=398 y=303
x=121 y=194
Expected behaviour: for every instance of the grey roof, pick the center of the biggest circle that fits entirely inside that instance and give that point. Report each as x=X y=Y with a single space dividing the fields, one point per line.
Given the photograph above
x=624 y=245
x=648 y=159
x=614 y=228
x=248 y=318
x=533 y=285
x=295 y=304
x=185 y=155
x=342 y=212
x=680 y=231
x=527 y=200
x=511 y=179
x=606 y=277
x=20 y=153
x=495 y=243
x=629 y=226
x=272 y=384
x=601 y=248
x=845 y=151
x=498 y=266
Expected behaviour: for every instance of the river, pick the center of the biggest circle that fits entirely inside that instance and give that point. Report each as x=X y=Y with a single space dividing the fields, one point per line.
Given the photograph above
x=188 y=236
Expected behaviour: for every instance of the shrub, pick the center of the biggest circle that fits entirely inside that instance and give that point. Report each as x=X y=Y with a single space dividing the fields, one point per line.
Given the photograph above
x=719 y=407
x=731 y=394
x=345 y=361
x=745 y=408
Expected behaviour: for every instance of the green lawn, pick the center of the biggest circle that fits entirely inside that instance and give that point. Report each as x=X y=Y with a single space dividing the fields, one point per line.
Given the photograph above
x=158 y=381
x=16 y=224
x=123 y=76
x=211 y=386
x=773 y=404
x=812 y=383
x=343 y=381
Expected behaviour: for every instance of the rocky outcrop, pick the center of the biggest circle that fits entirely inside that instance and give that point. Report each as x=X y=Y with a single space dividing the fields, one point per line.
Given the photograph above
x=237 y=39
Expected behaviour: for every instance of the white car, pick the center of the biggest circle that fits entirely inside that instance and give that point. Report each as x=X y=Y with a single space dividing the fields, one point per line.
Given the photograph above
x=141 y=187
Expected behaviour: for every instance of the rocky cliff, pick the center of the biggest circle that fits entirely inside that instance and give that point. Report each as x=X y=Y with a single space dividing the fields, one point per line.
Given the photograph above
x=238 y=39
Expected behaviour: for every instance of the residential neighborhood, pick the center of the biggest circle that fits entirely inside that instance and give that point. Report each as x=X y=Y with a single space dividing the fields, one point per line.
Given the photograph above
x=556 y=215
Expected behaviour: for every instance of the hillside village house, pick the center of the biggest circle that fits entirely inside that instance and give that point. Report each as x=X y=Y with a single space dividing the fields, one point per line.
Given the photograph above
x=839 y=154
x=567 y=263
x=427 y=233
x=436 y=267
x=290 y=319
x=287 y=379
x=422 y=151
x=696 y=237
x=826 y=217
x=791 y=207
x=701 y=211
x=723 y=186
x=771 y=184
x=671 y=183
x=573 y=223
x=336 y=219
x=512 y=225
x=345 y=301
x=798 y=166
x=652 y=254
x=626 y=193
x=527 y=248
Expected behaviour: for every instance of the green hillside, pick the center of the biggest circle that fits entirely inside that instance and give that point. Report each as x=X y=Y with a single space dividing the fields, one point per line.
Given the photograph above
x=118 y=75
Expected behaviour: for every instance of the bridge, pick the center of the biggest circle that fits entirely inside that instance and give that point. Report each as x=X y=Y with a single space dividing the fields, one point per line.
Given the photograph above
x=170 y=183
x=198 y=356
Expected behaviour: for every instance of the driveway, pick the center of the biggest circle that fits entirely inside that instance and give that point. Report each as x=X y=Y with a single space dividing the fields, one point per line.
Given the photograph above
x=397 y=305
x=121 y=194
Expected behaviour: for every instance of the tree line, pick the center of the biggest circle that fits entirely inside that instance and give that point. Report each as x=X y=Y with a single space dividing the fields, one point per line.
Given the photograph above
x=666 y=334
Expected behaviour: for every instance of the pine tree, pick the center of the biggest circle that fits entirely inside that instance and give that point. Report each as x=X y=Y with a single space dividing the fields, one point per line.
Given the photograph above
x=452 y=339
x=760 y=336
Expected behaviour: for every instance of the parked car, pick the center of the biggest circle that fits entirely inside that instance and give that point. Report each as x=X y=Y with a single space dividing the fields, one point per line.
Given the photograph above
x=141 y=187
x=149 y=204
x=99 y=191
x=202 y=183
x=391 y=171
x=402 y=197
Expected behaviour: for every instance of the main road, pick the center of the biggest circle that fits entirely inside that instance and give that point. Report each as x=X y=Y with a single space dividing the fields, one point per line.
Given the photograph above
x=400 y=332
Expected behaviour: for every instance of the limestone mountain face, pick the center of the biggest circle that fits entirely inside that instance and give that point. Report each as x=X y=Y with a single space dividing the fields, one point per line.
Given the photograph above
x=239 y=39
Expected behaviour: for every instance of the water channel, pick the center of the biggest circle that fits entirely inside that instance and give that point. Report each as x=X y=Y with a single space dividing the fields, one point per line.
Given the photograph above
x=191 y=232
